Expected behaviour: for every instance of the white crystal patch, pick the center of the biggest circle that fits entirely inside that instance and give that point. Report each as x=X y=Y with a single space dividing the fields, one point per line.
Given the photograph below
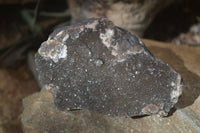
x=52 y=49
x=107 y=37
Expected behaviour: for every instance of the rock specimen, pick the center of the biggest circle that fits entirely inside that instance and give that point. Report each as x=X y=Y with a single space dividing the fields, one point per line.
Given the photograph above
x=97 y=66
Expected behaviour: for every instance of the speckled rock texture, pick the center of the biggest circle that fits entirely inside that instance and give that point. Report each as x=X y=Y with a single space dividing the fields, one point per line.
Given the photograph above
x=41 y=115
x=96 y=66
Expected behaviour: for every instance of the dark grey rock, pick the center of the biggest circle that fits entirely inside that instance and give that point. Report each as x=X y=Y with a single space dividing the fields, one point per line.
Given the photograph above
x=97 y=66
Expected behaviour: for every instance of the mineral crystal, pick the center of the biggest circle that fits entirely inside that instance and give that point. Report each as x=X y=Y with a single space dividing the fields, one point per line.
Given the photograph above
x=97 y=66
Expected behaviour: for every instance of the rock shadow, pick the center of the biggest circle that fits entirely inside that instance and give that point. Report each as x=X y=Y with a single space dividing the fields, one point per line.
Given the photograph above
x=191 y=81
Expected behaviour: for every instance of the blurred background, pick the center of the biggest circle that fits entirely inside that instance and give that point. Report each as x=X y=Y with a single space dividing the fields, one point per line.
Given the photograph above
x=25 y=24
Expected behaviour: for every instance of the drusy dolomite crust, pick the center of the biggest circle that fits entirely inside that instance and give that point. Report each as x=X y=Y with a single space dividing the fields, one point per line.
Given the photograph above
x=97 y=66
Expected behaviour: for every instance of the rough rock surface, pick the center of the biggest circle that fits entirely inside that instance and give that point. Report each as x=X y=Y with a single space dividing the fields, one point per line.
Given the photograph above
x=97 y=66
x=132 y=15
x=41 y=115
x=15 y=84
x=191 y=38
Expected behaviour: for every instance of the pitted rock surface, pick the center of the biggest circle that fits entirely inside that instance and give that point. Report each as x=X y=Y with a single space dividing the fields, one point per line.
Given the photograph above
x=97 y=66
